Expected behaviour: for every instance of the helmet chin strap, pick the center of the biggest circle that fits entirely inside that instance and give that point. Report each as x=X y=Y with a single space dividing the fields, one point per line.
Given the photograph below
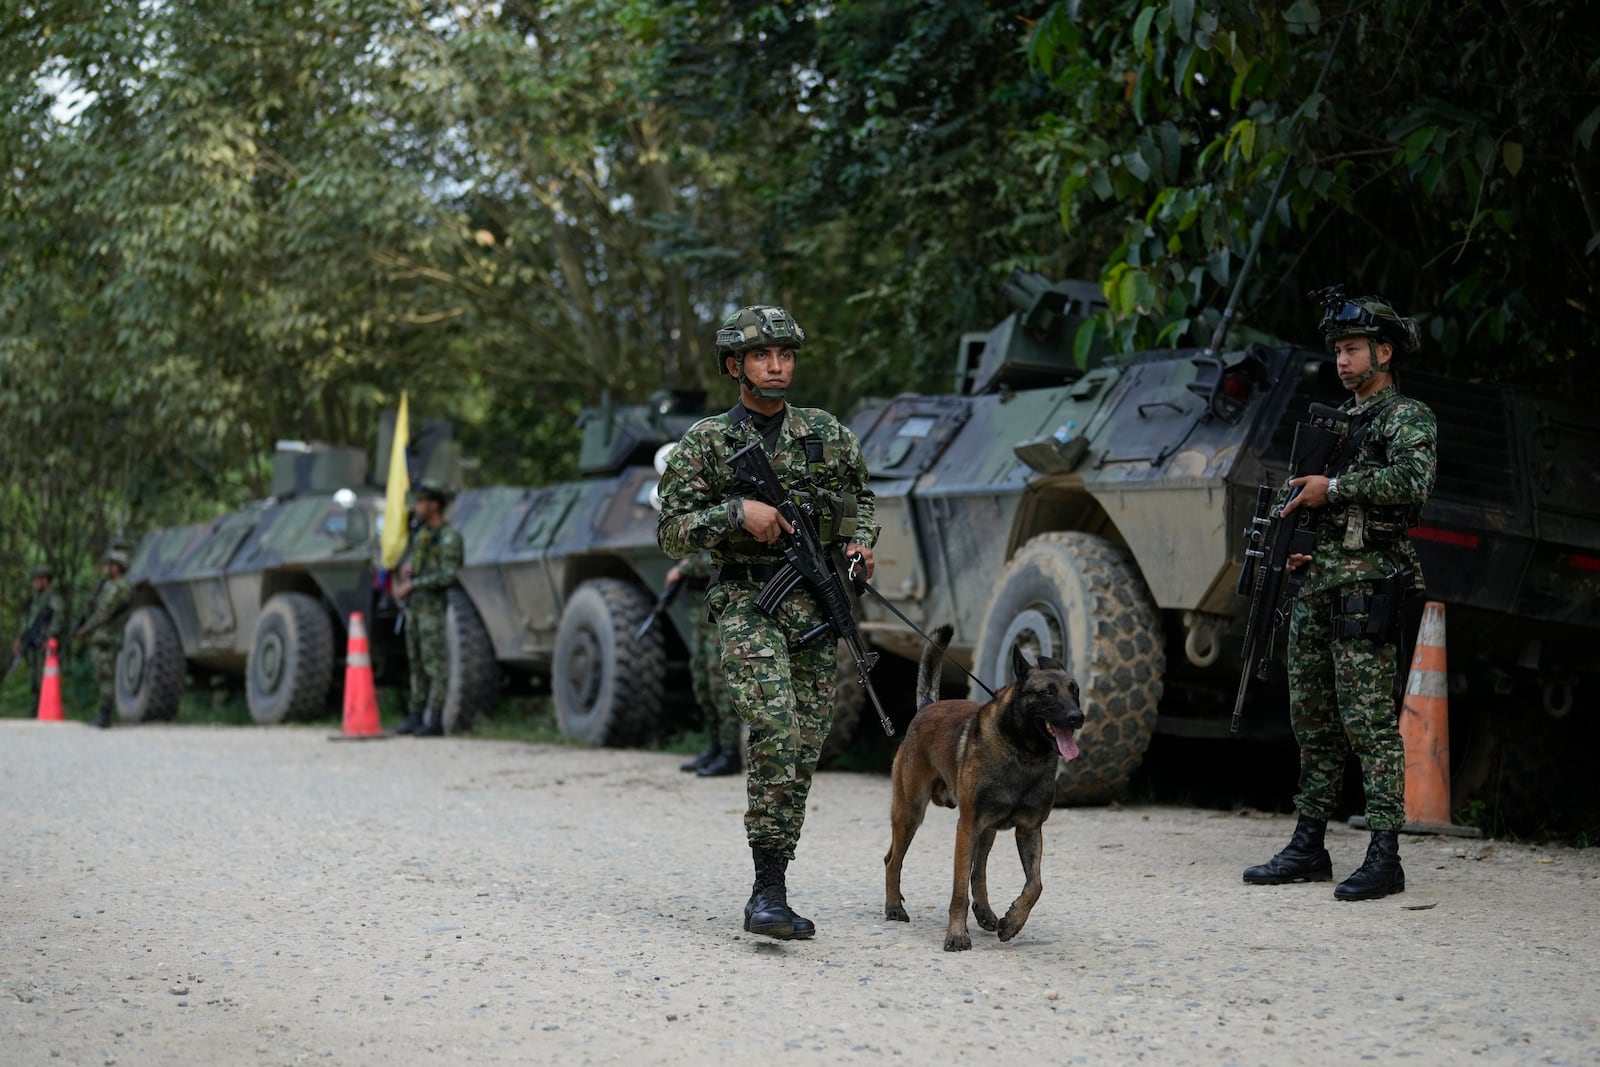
x=1374 y=368
x=764 y=394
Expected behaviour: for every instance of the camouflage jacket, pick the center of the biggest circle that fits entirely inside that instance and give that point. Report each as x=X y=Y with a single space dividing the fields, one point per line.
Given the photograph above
x=1362 y=534
x=49 y=607
x=699 y=488
x=436 y=557
x=109 y=612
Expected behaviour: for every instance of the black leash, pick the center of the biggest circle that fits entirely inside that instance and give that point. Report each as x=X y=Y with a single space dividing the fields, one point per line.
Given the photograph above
x=863 y=585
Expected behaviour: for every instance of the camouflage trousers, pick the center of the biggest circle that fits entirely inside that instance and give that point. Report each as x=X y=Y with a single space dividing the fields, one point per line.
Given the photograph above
x=428 y=656
x=1341 y=699
x=105 y=671
x=784 y=694
x=711 y=684
x=35 y=660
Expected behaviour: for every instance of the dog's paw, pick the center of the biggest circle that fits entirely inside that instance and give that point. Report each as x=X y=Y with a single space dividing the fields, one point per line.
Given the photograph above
x=896 y=913
x=1011 y=925
x=959 y=942
x=986 y=917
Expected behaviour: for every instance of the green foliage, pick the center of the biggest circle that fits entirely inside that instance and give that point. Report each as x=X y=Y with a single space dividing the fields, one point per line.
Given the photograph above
x=1446 y=160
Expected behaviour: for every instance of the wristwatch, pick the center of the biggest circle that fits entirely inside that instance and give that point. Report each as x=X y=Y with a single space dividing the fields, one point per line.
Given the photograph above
x=1333 y=490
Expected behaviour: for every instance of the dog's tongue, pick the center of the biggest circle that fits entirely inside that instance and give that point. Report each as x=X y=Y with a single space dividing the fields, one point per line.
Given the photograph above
x=1064 y=743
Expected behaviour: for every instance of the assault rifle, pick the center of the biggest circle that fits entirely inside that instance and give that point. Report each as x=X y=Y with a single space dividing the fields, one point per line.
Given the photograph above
x=1269 y=542
x=663 y=602
x=807 y=560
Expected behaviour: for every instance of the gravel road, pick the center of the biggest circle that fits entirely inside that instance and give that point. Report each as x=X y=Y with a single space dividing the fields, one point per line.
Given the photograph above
x=194 y=895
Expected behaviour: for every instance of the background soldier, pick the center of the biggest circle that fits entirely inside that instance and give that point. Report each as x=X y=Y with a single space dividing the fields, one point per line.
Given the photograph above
x=46 y=617
x=710 y=682
x=107 y=614
x=1343 y=627
x=782 y=689
x=424 y=588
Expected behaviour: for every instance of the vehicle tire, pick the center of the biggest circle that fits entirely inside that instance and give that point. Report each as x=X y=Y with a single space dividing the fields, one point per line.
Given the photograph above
x=606 y=683
x=849 y=707
x=1079 y=599
x=290 y=668
x=150 y=667
x=474 y=675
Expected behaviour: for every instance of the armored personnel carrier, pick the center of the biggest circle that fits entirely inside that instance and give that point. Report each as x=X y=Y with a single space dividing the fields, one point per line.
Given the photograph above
x=1089 y=507
x=264 y=593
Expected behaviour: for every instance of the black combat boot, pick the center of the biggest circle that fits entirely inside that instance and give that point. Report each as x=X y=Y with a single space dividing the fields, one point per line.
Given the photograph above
x=1380 y=874
x=725 y=762
x=432 y=723
x=711 y=753
x=1303 y=859
x=104 y=721
x=767 y=912
x=412 y=723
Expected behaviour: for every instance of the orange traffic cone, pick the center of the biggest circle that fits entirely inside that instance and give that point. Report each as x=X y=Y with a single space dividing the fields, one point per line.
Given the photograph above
x=1425 y=730
x=360 y=699
x=50 y=688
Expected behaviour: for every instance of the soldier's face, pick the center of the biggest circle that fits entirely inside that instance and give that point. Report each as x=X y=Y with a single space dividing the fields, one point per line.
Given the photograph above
x=769 y=368
x=424 y=508
x=40 y=584
x=1354 y=355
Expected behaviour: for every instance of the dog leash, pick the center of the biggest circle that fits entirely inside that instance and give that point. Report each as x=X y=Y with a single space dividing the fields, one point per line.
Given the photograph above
x=862 y=585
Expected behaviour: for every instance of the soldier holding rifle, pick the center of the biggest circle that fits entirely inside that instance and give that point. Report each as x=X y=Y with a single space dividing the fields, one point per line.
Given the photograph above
x=1343 y=627
x=779 y=658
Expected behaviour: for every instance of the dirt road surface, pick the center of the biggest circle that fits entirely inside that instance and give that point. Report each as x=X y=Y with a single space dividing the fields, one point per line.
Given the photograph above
x=192 y=895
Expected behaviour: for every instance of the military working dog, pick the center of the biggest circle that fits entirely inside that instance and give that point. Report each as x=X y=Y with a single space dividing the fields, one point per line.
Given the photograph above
x=995 y=763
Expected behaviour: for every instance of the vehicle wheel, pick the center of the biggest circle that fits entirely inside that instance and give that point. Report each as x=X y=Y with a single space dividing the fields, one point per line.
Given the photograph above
x=1079 y=599
x=474 y=674
x=606 y=683
x=291 y=660
x=150 y=667
x=849 y=706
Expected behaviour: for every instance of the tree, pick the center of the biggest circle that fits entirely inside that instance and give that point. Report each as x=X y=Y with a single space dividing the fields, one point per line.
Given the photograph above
x=1445 y=159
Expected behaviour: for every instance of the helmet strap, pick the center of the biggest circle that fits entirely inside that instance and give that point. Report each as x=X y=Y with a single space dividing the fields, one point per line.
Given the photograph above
x=764 y=394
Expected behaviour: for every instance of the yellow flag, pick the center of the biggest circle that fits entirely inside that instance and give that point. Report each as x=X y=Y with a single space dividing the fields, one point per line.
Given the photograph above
x=394 y=502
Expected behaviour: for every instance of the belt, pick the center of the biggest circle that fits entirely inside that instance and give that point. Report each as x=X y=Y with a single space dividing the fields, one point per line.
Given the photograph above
x=745 y=572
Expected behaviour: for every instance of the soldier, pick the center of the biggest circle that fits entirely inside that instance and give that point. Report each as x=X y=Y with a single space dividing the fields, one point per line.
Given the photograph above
x=782 y=689
x=424 y=588
x=46 y=617
x=1343 y=627
x=721 y=756
x=107 y=615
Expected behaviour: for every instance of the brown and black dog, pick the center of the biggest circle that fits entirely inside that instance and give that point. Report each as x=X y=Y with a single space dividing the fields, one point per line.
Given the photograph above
x=996 y=763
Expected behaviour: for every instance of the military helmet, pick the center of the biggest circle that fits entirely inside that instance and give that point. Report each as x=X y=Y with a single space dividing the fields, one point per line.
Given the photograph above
x=756 y=326
x=1365 y=316
x=116 y=555
x=436 y=491
x=44 y=570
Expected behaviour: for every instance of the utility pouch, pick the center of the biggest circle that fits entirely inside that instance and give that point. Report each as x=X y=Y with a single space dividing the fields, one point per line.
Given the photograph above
x=1387 y=524
x=1375 y=615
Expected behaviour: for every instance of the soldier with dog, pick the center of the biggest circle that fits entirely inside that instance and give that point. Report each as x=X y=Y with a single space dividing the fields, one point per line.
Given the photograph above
x=780 y=666
x=1344 y=624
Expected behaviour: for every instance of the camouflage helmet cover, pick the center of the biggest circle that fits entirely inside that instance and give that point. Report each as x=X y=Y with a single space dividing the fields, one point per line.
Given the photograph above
x=435 y=491
x=756 y=326
x=1365 y=316
x=116 y=555
x=43 y=570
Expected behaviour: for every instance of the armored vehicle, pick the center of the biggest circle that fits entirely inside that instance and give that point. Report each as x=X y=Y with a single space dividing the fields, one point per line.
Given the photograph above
x=264 y=592
x=564 y=576
x=1090 y=508
x=555 y=584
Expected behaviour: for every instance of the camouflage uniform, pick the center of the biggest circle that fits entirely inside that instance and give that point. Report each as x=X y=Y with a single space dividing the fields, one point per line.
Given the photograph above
x=781 y=690
x=1341 y=688
x=108 y=614
x=436 y=554
x=45 y=618
x=705 y=662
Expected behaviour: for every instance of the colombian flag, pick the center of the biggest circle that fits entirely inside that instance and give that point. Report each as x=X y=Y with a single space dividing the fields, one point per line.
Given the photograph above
x=394 y=503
